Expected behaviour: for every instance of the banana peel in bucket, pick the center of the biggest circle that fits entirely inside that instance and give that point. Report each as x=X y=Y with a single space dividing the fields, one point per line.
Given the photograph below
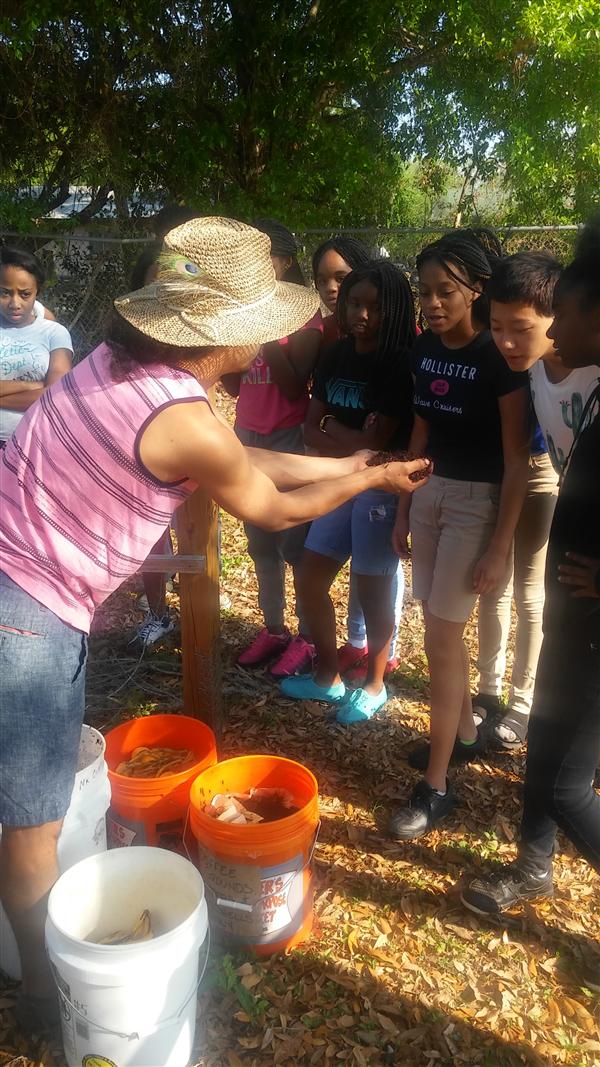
x=256 y=806
x=140 y=931
x=155 y=762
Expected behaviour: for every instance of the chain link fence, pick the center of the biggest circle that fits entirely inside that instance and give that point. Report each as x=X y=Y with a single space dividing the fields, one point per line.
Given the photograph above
x=85 y=272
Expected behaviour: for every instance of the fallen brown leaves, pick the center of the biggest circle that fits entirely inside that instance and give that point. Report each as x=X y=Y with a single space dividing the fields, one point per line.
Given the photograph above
x=15 y=1049
x=397 y=972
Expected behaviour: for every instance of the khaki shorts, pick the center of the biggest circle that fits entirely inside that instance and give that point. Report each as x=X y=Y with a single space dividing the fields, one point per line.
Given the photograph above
x=451 y=526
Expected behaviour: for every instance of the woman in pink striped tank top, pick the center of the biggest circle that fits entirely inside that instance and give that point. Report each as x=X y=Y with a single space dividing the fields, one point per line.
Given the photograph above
x=90 y=480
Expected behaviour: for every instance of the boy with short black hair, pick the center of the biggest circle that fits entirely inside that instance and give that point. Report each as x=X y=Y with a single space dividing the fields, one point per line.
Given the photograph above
x=564 y=735
x=521 y=292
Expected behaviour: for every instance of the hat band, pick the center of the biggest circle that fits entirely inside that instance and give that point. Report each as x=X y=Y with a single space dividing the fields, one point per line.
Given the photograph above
x=239 y=306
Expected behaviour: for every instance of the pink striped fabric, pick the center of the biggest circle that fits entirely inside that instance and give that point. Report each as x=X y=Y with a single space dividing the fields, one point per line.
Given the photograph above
x=78 y=510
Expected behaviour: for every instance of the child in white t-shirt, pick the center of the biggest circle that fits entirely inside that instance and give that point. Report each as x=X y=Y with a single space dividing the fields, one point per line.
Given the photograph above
x=521 y=291
x=559 y=397
x=34 y=351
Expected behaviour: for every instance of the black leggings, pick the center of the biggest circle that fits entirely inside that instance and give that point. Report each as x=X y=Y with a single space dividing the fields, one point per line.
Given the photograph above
x=563 y=750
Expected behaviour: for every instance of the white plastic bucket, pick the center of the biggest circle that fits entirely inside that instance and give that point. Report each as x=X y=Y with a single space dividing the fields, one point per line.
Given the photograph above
x=83 y=831
x=128 y=1005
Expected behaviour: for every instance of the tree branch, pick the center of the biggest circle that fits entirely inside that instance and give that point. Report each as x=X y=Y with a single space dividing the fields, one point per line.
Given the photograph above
x=427 y=57
x=95 y=205
x=52 y=196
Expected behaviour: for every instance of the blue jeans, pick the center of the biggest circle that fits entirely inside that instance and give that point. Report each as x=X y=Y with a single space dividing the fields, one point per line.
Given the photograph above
x=362 y=528
x=42 y=701
x=357 y=631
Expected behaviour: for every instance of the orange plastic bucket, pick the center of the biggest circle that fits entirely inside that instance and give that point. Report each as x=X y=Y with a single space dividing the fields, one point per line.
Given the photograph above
x=153 y=811
x=257 y=878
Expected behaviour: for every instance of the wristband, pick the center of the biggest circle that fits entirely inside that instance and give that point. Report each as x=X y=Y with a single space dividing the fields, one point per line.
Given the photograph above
x=323 y=422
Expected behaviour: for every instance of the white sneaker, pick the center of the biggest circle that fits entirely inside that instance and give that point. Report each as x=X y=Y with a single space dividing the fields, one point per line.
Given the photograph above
x=152 y=629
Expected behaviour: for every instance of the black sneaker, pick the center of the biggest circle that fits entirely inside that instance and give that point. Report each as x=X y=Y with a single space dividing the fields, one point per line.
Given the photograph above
x=425 y=809
x=418 y=757
x=505 y=888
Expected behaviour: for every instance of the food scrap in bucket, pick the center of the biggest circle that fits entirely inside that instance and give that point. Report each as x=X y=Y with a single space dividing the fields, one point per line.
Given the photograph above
x=256 y=806
x=155 y=762
x=380 y=458
x=140 y=931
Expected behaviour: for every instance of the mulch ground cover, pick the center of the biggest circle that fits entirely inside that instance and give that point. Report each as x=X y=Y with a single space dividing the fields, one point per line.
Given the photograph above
x=396 y=972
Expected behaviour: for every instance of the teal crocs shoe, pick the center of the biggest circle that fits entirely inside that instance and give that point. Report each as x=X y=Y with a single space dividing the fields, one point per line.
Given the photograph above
x=360 y=706
x=304 y=687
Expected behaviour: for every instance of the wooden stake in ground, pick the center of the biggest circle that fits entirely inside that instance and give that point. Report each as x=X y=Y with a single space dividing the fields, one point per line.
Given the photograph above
x=197 y=535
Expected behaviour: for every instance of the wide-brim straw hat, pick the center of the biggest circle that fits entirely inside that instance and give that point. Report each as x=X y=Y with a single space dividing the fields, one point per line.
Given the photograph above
x=216 y=287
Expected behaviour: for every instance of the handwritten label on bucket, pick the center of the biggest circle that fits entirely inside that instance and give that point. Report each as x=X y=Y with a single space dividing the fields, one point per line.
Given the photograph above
x=121 y=834
x=83 y=779
x=252 y=904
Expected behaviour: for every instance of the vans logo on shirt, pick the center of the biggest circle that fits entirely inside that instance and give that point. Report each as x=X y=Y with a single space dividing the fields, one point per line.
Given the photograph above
x=344 y=393
x=449 y=370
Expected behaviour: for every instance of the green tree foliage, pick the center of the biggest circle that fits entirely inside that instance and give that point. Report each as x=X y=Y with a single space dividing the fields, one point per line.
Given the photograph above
x=314 y=111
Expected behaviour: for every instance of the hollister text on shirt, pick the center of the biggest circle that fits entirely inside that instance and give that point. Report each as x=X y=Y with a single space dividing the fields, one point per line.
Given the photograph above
x=457 y=393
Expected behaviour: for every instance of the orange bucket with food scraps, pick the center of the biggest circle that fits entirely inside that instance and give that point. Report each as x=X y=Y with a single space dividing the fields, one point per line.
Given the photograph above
x=257 y=878
x=153 y=811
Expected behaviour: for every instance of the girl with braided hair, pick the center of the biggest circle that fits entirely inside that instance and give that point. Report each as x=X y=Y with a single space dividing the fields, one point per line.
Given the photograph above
x=471 y=416
x=332 y=261
x=362 y=398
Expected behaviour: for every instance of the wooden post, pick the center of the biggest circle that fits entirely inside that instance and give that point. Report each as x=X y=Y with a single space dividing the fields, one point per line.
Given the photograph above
x=197 y=534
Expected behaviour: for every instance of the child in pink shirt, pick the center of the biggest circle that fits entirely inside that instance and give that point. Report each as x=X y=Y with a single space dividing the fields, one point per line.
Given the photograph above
x=272 y=402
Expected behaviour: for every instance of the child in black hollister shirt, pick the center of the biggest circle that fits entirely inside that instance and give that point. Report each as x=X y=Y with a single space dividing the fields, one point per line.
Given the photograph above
x=456 y=394
x=471 y=418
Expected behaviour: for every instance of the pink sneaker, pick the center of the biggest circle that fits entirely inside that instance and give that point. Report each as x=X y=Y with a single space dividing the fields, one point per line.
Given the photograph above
x=264 y=647
x=296 y=659
x=359 y=673
x=350 y=656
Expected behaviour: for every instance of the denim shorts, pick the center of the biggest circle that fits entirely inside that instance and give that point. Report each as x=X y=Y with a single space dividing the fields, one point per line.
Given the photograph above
x=42 y=701
x=362 y=529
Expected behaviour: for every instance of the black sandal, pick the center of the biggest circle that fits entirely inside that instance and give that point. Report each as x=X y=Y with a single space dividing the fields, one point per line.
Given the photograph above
x=487 y=710
x=516 y=721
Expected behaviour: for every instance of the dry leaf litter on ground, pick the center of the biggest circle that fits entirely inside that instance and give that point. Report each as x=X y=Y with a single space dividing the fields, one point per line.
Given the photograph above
x=396 y=972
